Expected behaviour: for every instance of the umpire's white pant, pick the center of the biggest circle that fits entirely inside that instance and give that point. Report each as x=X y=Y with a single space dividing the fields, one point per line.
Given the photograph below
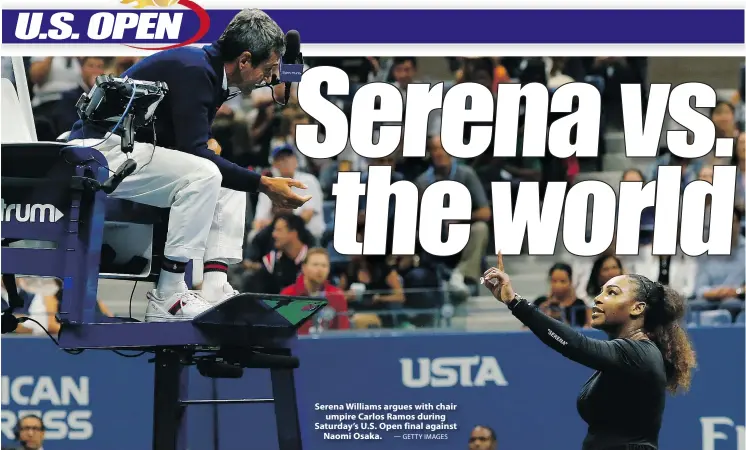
x=206 y=222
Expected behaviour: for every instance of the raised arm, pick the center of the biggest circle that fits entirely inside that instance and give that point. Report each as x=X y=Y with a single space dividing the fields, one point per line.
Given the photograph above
x=619 y=355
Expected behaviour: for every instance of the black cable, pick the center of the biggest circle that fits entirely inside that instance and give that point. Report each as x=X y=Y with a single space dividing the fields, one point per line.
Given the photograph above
x=111 y=132
x=134 y=355
x=79 y=351
x=24 y=319
x=270 y=85
x=152 y=153
x=132 y=294
x=64 y=158
x=107 y=136
x=272 y=88
x=72 y=352
x=232 y=95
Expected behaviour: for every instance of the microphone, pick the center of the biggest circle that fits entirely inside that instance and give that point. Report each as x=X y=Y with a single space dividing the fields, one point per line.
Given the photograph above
x=292 y=52
x=122 y=172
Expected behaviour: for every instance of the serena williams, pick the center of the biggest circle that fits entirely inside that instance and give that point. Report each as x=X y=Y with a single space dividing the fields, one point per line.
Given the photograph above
x=647 y=354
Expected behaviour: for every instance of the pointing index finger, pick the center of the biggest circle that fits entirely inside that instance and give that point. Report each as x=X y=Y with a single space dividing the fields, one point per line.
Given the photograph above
x=500 y=265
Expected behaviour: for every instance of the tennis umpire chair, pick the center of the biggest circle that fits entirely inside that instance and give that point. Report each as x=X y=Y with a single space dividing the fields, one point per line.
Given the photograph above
x=53 y=223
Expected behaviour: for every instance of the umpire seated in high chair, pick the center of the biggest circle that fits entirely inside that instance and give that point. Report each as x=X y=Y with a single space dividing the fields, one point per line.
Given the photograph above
x=205 y=192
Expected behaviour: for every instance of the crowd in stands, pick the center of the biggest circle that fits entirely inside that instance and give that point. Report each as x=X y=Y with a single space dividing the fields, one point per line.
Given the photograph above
x=290 y=252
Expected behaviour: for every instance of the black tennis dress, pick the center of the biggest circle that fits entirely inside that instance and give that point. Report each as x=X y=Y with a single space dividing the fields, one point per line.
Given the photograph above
x=623 y=401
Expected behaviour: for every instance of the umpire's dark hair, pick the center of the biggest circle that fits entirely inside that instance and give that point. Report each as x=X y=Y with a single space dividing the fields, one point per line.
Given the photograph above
x=251 y=30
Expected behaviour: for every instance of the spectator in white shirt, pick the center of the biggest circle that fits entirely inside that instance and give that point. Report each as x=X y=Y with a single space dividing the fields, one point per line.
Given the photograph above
x=52 y=76
x=285 y=164
x=678 y=271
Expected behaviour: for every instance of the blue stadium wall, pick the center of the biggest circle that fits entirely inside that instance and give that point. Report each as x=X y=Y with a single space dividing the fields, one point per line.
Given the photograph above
x=508 y=381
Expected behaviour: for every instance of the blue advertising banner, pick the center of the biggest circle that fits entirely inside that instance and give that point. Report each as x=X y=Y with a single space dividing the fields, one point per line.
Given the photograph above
x=188 y=22
x=421 y=391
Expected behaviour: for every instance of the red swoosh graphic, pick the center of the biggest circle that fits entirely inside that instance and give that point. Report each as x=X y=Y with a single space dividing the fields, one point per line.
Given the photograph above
x=204 y=26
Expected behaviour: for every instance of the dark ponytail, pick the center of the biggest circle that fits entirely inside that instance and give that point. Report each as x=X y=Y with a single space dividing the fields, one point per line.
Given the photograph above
x=665 y=309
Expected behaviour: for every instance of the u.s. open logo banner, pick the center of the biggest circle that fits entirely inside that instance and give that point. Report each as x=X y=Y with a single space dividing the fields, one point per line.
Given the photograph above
x=160 y=24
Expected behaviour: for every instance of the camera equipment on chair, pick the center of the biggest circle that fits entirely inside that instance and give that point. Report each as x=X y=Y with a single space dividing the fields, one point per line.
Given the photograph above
x=123 y=102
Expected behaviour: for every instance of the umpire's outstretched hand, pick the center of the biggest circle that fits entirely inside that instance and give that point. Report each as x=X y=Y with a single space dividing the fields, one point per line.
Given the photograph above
x=279 y=191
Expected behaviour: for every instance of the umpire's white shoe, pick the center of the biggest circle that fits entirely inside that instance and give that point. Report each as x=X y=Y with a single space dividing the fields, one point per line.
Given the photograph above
x=213 y=296
x=180 y=306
